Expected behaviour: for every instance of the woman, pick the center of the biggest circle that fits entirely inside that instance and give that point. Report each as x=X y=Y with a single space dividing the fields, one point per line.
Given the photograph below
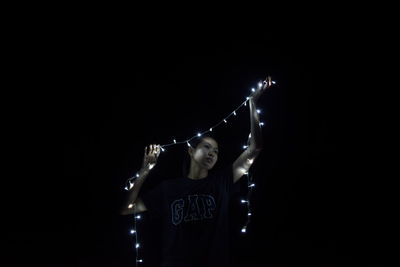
x=194 y=209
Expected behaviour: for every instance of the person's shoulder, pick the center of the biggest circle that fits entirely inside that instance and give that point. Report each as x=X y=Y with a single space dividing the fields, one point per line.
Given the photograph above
x=223 y=171
x=172 y=181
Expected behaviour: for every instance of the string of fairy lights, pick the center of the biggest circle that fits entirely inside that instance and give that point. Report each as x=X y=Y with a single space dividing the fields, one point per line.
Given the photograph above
x=250 y=180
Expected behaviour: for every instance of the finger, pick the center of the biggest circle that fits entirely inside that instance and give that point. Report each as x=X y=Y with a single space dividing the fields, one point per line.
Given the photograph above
x=265 y=83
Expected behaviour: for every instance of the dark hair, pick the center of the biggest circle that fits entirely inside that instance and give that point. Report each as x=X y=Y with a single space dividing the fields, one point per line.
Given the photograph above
x=186 y=157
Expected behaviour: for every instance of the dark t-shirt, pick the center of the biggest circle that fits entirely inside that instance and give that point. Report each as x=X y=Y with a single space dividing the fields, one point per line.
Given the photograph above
x=194 y=217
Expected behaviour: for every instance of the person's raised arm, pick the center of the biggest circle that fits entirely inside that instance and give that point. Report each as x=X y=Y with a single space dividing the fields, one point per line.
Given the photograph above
x=133 y=204
x=243 y=163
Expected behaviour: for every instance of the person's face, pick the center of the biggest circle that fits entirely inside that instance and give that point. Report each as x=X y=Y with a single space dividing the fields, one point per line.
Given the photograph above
x=206 y=153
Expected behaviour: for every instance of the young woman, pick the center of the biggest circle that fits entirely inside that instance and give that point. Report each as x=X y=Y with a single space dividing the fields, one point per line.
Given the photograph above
x=194 y=209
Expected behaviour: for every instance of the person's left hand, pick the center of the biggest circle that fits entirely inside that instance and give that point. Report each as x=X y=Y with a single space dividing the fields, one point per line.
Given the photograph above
x=267 y=83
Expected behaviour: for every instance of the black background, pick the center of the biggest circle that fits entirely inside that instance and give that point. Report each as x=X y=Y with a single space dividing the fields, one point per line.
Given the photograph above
x=319 y=198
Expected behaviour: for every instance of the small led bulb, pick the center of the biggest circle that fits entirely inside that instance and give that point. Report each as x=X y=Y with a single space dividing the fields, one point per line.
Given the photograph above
x=224 y=120
x=244 y=230
x=174 y=141
x=137 y=245
x=234 y=113
x=258 y=111
x=138 y=217
x=198 y=134
x=250 y=161
x=259 y=85
x=210 y=129
x=273 y=82
x=133 y=231
x=253 y=90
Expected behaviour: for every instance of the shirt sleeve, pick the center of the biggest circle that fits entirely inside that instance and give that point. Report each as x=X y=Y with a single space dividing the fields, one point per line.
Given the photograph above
x=226 y=179
x=153 y=200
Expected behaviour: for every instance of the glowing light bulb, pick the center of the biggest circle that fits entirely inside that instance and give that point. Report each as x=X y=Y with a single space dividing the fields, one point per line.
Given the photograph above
x=253 y=90
x=162 y=149
x=234 y=113
x=130 y=206
x=137 y=174
x=224 y=120
x=126 y=188
x=188 y=144
x=198 y=134
x=261 y=124
x=138 y=217
x=137 y=245
x=249 y=214
x=259 y=85
x=258 y=111
x=174 y=141
x=151 y=165
x=273 y=82
x=252 y=185
x=210 y=129
x=139 y=260
x=244 y=230
x=243 y=201
x=244 y=147
x=133 y=231
x=250 y=161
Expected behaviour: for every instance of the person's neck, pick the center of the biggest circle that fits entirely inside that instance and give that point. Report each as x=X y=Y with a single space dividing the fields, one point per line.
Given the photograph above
x=196 y=172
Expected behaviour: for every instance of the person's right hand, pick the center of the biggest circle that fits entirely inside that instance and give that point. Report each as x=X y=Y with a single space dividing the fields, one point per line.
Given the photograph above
x=151 y=154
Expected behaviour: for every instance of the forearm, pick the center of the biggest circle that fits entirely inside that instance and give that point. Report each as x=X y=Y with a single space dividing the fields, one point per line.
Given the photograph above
x=133 y=192
x=256 y=141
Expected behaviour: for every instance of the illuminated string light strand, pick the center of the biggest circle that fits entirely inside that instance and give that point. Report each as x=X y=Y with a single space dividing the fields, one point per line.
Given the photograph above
x=250 y=187
x=250 y=183
x=224 y=120
x=137 y=244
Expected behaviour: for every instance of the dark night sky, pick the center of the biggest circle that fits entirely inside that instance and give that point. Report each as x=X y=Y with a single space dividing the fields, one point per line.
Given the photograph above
x=119 y=93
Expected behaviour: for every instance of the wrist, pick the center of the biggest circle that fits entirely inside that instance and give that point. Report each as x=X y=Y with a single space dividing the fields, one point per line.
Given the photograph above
x=144 y=170
x=253 y=99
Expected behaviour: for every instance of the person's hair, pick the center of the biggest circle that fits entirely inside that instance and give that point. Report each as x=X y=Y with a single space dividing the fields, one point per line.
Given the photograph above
x=186 y=157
